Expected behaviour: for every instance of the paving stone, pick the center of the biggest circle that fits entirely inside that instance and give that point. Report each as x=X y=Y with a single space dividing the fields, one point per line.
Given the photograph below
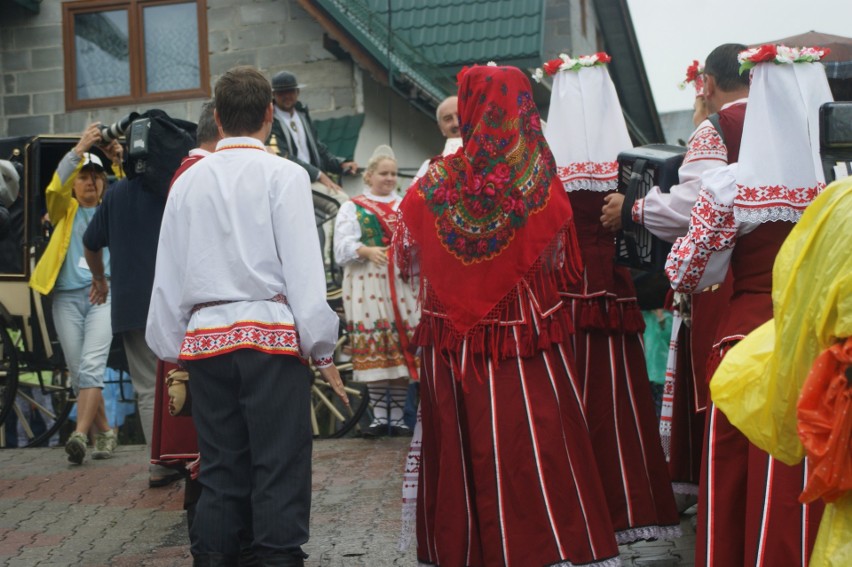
x=102 y=514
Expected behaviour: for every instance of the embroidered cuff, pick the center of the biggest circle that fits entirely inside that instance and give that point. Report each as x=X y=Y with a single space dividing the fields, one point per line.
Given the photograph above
x=323 y=361
x=636 y=211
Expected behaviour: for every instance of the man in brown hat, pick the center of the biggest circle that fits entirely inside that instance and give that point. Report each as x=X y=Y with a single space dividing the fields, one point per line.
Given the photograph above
x=295 y=136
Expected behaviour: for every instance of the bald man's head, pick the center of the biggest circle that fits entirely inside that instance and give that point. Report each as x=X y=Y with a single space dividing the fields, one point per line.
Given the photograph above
x=448 y=117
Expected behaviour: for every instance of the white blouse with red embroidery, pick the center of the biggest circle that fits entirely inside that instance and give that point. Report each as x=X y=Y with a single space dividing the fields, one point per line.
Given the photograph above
x=239 y=262
x=667 y=215
x=724 y=211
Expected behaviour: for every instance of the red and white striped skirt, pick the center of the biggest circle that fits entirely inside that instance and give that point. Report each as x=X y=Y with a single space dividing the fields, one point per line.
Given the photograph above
x=508 y=475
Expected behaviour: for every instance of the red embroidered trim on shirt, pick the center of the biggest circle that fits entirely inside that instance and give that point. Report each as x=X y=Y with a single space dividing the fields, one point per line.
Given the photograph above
x=772 y=196
x=712 y=229
x=706 y=143
x=240 y=147
x=598 y=170
x=265 y=337
x=637 y=210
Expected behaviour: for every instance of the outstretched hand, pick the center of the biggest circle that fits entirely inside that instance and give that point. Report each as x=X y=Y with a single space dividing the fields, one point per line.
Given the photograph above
x=349 y=167
x=332 y=375
x=331 y=185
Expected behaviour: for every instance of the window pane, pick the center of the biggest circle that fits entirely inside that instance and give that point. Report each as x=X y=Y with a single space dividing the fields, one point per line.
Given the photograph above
x=171 y=47
x=101 y=48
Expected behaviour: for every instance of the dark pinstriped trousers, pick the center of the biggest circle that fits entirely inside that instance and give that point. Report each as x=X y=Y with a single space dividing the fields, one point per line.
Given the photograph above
x=254 y=435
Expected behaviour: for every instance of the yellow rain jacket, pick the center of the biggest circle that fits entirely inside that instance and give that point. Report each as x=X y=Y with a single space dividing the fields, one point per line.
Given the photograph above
x=758 y=383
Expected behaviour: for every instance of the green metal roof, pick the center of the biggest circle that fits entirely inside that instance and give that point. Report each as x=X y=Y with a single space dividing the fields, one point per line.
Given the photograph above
x=452 y=33
x=427 y=41
x=411 y=73
x=340 y=134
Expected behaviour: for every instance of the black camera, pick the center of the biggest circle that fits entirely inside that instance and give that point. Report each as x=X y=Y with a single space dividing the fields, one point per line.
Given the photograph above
x=117 y=129
x=835 y=139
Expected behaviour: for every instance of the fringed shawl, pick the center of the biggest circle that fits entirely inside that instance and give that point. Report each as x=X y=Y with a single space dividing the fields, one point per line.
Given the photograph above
x=491 y=228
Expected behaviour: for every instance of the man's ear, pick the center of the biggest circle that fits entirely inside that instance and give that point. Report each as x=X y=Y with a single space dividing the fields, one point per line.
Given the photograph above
x=270 y=114
x=218 y=123
x=709 y=86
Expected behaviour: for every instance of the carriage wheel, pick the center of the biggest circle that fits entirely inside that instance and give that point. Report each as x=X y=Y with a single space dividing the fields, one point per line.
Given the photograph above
x=329 y=417
x=52 y=406
x=8 y=378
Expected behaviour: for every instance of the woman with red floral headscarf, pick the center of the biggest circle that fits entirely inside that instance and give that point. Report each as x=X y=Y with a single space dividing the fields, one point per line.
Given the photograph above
x=507 y=475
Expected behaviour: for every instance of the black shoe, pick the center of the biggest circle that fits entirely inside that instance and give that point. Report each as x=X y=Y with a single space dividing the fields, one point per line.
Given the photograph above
x=159 y=481
x=214 y=560
x=401 y=431
x=378 y=430
x=282 y=560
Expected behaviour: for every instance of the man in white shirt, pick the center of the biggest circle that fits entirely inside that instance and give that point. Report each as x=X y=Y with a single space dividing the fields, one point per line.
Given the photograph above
x=239 y=300
x=447 y=115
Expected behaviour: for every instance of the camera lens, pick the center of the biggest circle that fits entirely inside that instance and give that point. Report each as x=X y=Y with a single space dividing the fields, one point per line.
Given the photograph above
x=116 y=129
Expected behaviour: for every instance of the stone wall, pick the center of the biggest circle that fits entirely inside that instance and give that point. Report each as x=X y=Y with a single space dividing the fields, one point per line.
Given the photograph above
x=563 y=28
x=269 y=34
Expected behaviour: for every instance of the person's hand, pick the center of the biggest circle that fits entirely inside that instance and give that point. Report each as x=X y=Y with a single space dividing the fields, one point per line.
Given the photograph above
x=611 y=211
x=349 y=167
x=331 y=375
x=113 y=151
x=90 y=136
x=375 y=254
x=331 y=185
x=99 y=291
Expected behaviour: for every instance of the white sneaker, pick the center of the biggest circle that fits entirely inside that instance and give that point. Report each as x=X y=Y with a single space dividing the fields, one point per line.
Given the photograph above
x=105 y=444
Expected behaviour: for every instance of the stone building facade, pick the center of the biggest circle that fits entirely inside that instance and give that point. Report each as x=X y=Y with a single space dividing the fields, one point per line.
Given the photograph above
x=271 y=35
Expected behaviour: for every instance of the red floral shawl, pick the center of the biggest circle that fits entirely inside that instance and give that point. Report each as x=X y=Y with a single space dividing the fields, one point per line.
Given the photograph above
x=485 y=218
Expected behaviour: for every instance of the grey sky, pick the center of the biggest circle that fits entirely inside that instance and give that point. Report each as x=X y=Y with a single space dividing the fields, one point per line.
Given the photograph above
x=674 y=32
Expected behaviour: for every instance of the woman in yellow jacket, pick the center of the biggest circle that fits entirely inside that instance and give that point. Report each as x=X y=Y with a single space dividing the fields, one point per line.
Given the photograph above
x=84 y=329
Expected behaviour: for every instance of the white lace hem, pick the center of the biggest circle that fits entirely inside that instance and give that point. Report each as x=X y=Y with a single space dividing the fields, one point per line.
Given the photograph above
x=409 y=521
x=590 y=185
x=769 y=214
x=647 y=533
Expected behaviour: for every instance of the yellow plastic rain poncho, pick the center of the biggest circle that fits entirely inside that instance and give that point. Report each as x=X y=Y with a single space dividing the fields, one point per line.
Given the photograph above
x=758 y=383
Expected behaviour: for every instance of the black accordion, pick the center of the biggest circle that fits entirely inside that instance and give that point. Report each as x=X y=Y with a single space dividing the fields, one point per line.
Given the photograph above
x=639 y=170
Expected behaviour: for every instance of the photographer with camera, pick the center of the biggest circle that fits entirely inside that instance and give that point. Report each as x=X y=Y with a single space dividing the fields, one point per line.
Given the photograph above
x=84 y=329
x=128 y=222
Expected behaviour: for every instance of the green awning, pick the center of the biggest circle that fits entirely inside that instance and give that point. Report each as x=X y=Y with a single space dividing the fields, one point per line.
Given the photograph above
x=340 y=134
x=31 y=5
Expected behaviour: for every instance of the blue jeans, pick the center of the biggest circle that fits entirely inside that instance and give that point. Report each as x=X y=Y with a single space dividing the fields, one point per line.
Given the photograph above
x=85 y=333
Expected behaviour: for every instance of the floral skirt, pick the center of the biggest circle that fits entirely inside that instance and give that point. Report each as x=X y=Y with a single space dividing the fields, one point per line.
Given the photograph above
x=377 y=351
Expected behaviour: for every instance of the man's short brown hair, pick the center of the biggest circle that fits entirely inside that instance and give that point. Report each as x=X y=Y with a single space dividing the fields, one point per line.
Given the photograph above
x=242 y=96
x=722 y=65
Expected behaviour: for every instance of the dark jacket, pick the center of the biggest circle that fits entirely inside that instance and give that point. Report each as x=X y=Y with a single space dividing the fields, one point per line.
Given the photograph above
x=320 y=159
x=128 y=222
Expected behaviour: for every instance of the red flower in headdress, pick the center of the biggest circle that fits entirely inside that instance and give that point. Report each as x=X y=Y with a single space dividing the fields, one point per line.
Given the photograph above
x=552 y=66
x=692 y=71
x=603 y=57
x=765 y=53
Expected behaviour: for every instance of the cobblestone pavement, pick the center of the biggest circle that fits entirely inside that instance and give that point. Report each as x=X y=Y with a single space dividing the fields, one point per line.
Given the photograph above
x=103 y=513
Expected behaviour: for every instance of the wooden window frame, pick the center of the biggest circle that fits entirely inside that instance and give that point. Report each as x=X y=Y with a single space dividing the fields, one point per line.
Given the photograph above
x=136 y=55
